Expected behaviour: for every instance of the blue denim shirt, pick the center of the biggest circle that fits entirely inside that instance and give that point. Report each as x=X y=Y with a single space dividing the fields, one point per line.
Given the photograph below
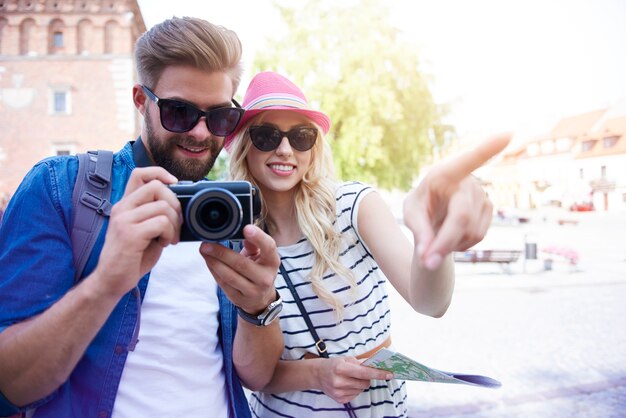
x=37 y=270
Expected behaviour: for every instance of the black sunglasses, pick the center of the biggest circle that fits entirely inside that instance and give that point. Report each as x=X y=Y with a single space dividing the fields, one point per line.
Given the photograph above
x=178 y=116
x=268 y=138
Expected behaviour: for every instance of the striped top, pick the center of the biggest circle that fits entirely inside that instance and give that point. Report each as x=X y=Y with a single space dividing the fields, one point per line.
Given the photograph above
x=366 y=321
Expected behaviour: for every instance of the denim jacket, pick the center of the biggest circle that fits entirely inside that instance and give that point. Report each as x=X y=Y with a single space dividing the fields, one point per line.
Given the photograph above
x=37 y=270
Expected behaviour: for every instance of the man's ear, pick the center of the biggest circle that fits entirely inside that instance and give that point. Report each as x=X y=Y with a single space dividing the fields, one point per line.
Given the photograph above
x=139 y=98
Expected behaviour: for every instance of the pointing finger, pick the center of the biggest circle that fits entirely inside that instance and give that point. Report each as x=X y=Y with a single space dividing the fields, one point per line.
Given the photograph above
x=462 y=166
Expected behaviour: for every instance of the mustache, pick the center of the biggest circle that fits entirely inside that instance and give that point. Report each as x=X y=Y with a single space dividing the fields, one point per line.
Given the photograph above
x=190 y=142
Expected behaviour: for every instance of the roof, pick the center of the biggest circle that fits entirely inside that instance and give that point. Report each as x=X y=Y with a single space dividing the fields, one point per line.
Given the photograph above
x=593 y=126
x=577 y=125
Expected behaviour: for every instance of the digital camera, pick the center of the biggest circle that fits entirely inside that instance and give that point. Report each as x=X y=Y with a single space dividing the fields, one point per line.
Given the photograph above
x=216 y=210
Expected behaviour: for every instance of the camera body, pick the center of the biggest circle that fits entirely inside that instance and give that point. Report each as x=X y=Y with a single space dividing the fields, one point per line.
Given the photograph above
x=216 y=210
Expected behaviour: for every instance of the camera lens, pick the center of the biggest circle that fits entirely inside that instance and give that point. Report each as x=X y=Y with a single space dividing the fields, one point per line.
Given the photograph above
x=214 y=214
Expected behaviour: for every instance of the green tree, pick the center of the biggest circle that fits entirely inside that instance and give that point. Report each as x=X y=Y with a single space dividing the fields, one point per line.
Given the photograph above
x=355 y=66
x=220 y=168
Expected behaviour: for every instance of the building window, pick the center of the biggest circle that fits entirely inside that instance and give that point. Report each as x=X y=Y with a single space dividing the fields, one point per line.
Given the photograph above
x=57 y=39
x=581 y=173
x=609 y=141
x=532 y=150
x=65 y=148
x=84 y=36
x=588 y=145
x=60 y=100
x=603 y=172
x=110 y=33
x=26 y=34
x=55 y=36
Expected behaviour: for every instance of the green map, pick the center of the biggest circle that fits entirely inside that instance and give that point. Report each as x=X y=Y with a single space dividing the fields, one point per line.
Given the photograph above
x=405 y=368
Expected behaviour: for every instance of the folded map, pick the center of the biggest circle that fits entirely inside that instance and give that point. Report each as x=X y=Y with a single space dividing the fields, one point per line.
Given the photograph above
x=407 y=369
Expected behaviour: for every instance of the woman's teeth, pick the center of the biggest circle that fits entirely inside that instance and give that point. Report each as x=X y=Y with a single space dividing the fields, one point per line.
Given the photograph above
x=281 y=167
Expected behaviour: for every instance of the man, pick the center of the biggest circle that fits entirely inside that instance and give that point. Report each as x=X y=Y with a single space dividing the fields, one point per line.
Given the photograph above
x=77 y=349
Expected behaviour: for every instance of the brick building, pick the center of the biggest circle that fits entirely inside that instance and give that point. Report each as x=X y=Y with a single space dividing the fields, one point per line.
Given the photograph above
x=66 y=74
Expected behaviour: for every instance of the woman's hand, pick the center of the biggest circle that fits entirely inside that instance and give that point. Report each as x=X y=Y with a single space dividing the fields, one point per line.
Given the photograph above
x=344 y=378
x=449 y=210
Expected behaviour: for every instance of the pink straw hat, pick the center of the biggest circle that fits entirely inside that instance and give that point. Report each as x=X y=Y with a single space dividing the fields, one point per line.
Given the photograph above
x=271 y=91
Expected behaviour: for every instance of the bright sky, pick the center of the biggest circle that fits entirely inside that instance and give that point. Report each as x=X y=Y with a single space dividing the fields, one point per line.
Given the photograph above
x=504 y=64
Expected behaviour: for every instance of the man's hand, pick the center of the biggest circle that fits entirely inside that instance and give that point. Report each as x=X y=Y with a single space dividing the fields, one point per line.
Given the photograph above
x=142 y=223
x=248 y=277
x=449 y=210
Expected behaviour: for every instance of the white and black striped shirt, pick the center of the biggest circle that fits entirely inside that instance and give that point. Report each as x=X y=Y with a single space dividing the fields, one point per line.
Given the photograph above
x=366 y=321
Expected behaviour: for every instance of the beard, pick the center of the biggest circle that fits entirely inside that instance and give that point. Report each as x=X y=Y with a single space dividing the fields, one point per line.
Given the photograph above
x=163 y=150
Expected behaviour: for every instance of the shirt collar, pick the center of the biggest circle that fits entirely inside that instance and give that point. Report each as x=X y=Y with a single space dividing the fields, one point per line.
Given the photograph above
x=140 y=154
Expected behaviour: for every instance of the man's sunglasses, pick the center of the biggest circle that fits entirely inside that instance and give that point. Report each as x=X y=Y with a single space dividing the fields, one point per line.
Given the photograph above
x=268 y=138
x=178 y=116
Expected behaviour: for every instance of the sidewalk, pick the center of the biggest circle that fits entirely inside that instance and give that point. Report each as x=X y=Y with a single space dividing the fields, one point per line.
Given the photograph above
x=555 y=339
x=602 y=399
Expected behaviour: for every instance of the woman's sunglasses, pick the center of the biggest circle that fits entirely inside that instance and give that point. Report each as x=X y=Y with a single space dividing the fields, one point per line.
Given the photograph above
x=178 y=116
x=268 y=138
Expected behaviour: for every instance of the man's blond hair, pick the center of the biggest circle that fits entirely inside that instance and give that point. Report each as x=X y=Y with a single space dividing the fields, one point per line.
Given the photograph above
x=188 y=41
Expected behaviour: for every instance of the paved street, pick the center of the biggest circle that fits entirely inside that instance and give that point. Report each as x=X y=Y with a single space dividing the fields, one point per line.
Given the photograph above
x=555 y=339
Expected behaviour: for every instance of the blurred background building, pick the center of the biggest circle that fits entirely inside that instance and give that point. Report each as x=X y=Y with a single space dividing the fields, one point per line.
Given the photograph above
x=66 y=74
x=579 y=165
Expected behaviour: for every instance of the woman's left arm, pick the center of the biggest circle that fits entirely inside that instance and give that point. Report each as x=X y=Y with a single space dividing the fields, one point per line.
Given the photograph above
x=429 y=292
x=448 y=211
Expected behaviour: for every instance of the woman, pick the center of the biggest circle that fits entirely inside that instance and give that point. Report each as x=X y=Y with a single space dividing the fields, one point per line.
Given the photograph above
x=339 y=244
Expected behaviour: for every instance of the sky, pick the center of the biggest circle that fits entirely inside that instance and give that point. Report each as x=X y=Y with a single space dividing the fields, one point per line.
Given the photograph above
x=503 y=65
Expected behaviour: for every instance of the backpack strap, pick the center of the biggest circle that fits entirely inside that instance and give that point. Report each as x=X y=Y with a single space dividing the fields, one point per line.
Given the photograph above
x=91 y=201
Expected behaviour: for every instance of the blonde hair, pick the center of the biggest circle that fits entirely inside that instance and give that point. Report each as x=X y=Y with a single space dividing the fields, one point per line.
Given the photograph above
x=315 y=207
x=188 y=41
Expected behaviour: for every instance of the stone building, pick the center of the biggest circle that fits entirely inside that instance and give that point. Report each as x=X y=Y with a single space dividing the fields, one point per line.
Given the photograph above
x=66 y=75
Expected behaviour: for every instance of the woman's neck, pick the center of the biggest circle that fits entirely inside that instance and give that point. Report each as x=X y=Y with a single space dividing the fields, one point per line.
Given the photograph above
x=282 y=224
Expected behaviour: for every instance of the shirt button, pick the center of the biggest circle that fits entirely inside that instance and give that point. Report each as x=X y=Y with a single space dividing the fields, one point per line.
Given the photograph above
x=103 y=414
x=118 y=350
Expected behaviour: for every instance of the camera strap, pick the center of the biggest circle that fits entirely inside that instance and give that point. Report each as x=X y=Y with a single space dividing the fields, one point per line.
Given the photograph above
x=319 y=343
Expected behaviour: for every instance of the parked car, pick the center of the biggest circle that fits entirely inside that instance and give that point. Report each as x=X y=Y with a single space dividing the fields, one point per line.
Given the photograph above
x=581 y=207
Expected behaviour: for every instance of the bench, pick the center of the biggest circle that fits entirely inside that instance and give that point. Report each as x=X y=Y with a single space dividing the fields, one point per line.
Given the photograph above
x=567 y=222
x=567 y=255
x=502 y=257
